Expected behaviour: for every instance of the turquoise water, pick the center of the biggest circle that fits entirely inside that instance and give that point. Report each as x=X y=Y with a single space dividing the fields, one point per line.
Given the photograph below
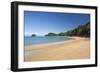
x=29 y=40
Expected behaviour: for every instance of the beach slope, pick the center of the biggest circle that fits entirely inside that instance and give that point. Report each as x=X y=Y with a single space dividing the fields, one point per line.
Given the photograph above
x=78 y=48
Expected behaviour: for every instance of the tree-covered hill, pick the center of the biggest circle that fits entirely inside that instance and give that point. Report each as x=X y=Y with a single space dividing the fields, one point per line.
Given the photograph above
x=81 y=30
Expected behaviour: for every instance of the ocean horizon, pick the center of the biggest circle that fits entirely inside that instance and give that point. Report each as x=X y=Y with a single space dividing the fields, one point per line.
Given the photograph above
x=34 y=40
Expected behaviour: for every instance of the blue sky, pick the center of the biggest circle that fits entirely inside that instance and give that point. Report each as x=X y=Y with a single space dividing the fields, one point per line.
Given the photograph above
x=41 y=23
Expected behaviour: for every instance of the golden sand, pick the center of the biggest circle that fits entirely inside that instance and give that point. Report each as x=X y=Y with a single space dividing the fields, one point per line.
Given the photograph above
x=78 y=48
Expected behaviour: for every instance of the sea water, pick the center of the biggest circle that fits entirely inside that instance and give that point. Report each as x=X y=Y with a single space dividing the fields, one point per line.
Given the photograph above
x=32 y=40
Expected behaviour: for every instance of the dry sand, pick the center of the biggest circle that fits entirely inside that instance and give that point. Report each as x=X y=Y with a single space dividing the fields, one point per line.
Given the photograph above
x=78 y=48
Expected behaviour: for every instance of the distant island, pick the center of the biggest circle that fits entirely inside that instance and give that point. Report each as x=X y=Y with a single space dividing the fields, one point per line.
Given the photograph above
x=81 y=30
x=33 y=34
x=51 y=34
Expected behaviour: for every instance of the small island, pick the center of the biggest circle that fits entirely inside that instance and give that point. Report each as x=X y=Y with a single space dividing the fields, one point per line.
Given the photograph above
x=33 y=35
x=51 y=34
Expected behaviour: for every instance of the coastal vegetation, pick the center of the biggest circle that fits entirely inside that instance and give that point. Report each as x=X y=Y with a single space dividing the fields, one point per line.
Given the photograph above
x=81 y=30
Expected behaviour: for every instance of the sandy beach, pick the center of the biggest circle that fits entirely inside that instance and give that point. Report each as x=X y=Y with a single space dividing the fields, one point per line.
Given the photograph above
x=78 y=48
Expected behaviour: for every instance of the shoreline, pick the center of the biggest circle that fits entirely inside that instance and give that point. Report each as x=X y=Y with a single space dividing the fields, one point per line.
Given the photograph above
x=70 y=38
x=59 y=50
x=29 y=47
